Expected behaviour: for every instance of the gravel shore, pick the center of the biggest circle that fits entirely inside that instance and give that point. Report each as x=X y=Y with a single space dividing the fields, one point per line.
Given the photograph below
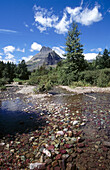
x=82 y=90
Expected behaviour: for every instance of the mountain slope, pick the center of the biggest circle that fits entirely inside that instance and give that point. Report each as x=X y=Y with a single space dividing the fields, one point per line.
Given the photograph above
x=46 y=55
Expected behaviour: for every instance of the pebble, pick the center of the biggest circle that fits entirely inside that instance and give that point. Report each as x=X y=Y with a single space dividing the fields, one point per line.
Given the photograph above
x=65 y=142
x=105 y=143
x=60 y=133
x=47 y=152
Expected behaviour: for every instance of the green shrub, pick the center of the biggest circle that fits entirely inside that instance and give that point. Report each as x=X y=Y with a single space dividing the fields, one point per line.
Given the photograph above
x=79 y=84
x=102 y=80
x=3 y=87
x=99 y=78
x=20 y=82
x=48 y=85
x=89 y=77
x=16 y=80
x=35 y=90
x=108 y=84
x=41 y=88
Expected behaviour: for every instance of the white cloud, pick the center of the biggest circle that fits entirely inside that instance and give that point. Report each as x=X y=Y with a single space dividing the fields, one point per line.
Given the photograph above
x=73 y=12
x=46 y=19
x=20 y=50
x=7 y=31
x=88 y=16
x=35 y=47
x=90 y=56
x=59 y=51
x=41 y=29
x=63 y=25
x=97 y=49
x=1 y=53
x=31 y=30
x=13 y=60
x=26 y=25
x=81 y=2
x=27 y=58
x=9 y=56
x=8 y=49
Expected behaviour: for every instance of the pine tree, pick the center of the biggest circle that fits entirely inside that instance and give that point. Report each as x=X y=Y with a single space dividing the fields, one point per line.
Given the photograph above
x=22 y=72
x=103 y=60
x=74 y=49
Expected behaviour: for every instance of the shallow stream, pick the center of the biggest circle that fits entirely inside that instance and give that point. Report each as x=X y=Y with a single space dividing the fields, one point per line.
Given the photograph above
x=14 y=118
x=33 y=121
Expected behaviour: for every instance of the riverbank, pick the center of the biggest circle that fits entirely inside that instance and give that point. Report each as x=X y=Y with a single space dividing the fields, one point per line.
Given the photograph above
x=30 y=90
x=83 y=90
x=74 y=134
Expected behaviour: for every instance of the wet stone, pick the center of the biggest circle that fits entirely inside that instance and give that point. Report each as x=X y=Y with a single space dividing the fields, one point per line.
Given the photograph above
x=74 y=127
x=57 y=168
x=55 y=163
x=107 y=144
x=81 y=145
x=70 y=159
x=74 y=155
x=58 y=156
x=48 y=161
x=65 y=156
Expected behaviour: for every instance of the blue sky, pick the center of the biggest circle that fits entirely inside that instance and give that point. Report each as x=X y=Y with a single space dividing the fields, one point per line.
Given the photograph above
x=27 y=25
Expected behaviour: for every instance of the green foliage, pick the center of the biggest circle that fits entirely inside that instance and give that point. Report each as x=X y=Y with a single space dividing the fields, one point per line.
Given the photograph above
x=4 y=81
x=74 y=50
x=45 y=85
x=37 y=76
x=89 y=77
x=7 y=70
x=79 y=84
x=99 y=78
x=2 y=87
x=102 y=61
x=21 y=71
x=10 y=71
x=104 y=78
x=35 y=90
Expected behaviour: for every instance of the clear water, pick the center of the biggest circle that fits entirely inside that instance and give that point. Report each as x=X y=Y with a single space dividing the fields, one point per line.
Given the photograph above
x=95 y=107
x=14 y=120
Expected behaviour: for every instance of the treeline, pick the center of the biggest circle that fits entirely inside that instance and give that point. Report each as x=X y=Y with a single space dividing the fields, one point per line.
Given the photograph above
x=10 y=71
x=102 y=61
x=74 y=70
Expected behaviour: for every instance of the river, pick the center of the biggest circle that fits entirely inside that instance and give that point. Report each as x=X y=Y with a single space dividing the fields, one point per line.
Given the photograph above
x=23 y=115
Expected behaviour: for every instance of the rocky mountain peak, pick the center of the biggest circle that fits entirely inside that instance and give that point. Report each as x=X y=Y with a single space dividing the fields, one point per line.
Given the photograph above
x=45 y=49
x=47 y=56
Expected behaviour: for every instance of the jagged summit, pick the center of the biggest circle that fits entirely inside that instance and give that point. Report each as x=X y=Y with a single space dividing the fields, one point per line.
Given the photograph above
x=46 y=55
x=45 y=49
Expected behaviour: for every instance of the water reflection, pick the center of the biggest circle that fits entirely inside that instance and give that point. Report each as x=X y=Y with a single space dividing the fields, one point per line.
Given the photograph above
x=13 y=119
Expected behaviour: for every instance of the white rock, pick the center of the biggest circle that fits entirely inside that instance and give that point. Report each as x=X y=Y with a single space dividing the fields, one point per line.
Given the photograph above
x=65 y=129
x=73 y=139
x=60 y=133
x=31 y=138
x=7 y=146
x=36 y=165
x=47 y=152
x=2 y=144
x=75 y=122
x=83 y=124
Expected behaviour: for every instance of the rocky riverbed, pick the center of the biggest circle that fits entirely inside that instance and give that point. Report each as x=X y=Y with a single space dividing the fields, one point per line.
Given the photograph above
x=73 y=132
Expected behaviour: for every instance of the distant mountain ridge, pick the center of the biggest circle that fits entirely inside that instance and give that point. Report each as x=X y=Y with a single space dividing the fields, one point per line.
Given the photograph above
x=47 y=56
